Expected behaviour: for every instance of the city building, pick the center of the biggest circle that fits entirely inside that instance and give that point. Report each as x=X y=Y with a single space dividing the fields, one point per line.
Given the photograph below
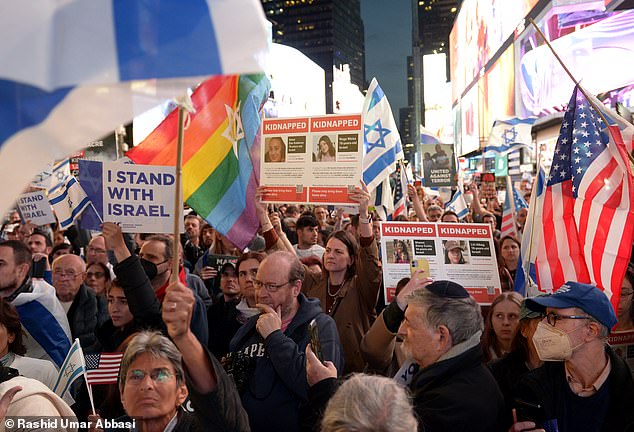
x=329 y=32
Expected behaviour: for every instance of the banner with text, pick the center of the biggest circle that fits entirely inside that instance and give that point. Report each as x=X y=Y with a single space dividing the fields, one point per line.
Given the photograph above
x=34 y=207
x=138 y=197
x=315 y=160
x=439 y=165
x=462 y=253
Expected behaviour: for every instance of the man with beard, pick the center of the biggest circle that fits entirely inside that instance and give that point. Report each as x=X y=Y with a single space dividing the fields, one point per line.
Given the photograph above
x=41 y=314
x=274 y=344
x=453 y=389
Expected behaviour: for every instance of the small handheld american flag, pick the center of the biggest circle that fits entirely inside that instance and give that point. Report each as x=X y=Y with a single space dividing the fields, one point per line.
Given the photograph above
x=103 y=368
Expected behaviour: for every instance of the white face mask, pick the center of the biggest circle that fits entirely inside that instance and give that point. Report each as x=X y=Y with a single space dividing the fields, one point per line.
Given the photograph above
x=552 y=344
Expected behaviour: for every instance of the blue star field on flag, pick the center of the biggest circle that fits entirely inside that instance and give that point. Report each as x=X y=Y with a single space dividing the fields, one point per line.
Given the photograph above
x=580 y=142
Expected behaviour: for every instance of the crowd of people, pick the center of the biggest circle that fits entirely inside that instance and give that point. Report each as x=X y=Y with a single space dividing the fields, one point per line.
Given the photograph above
x=294 y=333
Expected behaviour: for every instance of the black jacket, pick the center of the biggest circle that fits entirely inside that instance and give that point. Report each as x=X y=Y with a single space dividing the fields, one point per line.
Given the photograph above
x=222 y=319
x=457 y=394
x=86 y=314
x=545 y=386
x=508 y=371
x=277 y=385
x=143 y=302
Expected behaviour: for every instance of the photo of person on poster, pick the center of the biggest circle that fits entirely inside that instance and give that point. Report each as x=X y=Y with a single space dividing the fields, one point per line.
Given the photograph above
x=276 y=150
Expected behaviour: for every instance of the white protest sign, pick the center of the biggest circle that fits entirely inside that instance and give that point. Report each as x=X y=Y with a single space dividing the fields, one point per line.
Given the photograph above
x=34 y=207
x=462 y=253
x=139 y=197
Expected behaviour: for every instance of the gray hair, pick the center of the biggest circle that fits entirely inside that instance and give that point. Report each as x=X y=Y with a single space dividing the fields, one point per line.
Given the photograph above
x=369 y=403
x=462 y=316
x=604 y=331
x=156 y=344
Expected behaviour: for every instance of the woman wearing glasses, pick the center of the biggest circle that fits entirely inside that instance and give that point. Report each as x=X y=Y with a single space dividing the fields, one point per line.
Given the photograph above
x=98 y=278
x=156 y=377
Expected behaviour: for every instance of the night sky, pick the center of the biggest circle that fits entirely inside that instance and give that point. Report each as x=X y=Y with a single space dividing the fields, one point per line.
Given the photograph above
x=388 y=42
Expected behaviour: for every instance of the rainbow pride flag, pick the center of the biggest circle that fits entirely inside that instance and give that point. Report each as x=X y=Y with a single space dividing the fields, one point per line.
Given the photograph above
x=221 y=154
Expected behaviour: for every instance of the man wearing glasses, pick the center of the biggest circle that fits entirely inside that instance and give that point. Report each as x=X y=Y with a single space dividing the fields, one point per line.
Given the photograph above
x=584 y=385
x=274 y=342
x=85 y=311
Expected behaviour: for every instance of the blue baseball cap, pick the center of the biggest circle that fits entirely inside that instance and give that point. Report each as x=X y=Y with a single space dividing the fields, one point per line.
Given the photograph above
x=586 y=297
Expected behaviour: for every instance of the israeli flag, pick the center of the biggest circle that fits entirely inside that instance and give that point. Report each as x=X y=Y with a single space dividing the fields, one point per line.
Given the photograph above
x=510 y=134
x=73 y=71
x=68 y=202
x=44 y=321
x=458 y=205
x=73 y=367
x=382 y=142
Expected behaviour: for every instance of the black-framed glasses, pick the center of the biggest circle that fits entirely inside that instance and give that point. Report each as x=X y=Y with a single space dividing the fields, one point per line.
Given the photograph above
x=552 y=317
x=270 y=287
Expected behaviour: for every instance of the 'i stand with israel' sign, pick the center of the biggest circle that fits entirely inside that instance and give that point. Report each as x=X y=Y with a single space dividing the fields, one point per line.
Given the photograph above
x=139 y=197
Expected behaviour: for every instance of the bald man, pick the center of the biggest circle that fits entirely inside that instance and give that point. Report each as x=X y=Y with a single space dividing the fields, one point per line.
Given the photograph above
x=84 y=310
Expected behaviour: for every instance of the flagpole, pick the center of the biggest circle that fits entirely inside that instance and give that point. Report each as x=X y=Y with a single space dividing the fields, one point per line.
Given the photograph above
x=527 y=275
x=178 y=204
x=596 y=108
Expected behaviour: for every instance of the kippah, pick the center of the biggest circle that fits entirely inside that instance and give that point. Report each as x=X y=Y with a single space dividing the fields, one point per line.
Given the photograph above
x=447 y=289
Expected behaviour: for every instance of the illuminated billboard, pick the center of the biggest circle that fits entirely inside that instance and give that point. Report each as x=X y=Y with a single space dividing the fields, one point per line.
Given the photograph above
x=600 y=55
x=481 y=27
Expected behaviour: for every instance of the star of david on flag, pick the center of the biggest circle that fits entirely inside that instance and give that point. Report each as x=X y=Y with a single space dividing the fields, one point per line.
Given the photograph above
x=510 y=134
x=382 y=142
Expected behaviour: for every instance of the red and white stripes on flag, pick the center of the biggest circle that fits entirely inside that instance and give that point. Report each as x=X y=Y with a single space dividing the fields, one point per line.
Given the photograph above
x=103 y=368
x=587 y=217
x=509 y=226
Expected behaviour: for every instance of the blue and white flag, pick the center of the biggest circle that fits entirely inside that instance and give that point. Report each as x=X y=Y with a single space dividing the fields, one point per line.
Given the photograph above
x=428 y=137
x=68 y=202
x=508 y=135
x=60 y=173
x=458 y=205
x=381 y=196
x=44 y=321
x=79 y=82
x=73 y=367
x=382 y=142
x=525 y=276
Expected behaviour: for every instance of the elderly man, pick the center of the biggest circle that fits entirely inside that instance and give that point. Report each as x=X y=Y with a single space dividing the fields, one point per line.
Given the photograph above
x=584 y=385
x=41 y=314
x=85 y=311
x=453 y=390
x=434 y=212
x=274 y=343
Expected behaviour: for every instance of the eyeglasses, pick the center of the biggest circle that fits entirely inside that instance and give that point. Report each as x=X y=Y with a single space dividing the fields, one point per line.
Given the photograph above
x=161 y=375
x=552 y=317
x=71 y=274
x=626 y=293
x=270 y=287
x=96 y=251
x=96 y=275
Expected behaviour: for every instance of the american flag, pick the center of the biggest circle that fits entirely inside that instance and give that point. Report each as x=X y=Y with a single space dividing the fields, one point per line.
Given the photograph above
x=512 y=204
x=103 y=368
x=587 y=218
x=400 y=192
